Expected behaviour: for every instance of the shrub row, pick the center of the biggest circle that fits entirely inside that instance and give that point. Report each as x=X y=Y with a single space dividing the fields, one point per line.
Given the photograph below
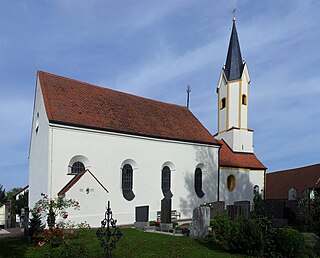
x=258 y=237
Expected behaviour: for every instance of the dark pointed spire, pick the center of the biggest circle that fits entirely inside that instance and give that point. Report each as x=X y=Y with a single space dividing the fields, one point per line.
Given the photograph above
x=234 y=64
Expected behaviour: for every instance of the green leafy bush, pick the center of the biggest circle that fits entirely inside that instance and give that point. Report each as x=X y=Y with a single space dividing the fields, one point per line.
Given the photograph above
x=255 y=236
x=312 y=242
x=291 y=243
x=35 y=226
x=222 y=228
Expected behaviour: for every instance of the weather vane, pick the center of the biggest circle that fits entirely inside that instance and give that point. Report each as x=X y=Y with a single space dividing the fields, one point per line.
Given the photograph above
x=234 y=13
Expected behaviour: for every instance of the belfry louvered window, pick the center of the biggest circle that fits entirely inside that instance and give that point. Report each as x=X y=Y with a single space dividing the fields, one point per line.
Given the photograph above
x=166 y=182
x=223 y=103
x=244 y=99
x=77 y=167
x=198 y=182
x=127 y=182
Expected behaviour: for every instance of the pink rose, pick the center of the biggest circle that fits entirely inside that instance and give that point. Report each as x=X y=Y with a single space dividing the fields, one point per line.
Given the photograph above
x=41 y=243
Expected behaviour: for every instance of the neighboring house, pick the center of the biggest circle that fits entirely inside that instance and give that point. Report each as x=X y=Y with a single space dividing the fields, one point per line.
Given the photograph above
x=95 y=144
x=4 y=215
x=21 y=192
x=16 y=196
x=290 y=184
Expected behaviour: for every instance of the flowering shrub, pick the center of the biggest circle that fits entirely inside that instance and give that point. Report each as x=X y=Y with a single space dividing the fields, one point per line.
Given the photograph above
x=58 y=205
x=62 y=233
x=54 y=207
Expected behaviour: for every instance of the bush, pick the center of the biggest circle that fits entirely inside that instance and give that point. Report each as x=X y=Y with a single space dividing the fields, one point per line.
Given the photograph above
x=35 y=226
x=291 y=243
x=312 y=242
x=222 y=228
x=254 y=236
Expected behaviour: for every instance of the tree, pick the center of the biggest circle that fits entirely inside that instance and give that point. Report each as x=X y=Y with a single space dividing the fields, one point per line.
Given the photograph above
x=35 y=224
x=12 y=192
x=2 y=195
x=309 y=209
x=258 y=205
x=19 y=203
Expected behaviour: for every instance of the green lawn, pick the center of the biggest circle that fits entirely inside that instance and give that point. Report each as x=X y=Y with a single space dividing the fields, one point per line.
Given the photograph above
x=134 y=243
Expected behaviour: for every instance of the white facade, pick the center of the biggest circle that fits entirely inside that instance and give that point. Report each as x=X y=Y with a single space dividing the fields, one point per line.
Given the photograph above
x=4 y=215
x=55 y=147
x=39 y=152
x=246 y=181
x=233 y=112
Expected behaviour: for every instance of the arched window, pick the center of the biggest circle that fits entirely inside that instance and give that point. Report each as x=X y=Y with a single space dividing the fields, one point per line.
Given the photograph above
x=256 y=190
x=166 y=182
x=198 y=182
x=223 y=103
x=292 y=194
x=244 y=99
x=77 y=167
x=231 y=182
x=127 y=182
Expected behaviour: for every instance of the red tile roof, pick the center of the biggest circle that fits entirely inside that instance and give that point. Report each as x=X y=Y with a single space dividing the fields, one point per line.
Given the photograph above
x=279 y=183
x=75 y=179
x=72 y=102
x=228 y=158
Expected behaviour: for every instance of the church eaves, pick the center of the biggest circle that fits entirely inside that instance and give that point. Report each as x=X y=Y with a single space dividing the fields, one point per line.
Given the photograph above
x=234 y=63
x=79 y=104
x=228 y=158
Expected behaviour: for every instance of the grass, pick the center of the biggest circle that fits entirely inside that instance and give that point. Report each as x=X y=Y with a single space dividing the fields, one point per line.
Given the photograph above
x=134 y=243
x=12 y=247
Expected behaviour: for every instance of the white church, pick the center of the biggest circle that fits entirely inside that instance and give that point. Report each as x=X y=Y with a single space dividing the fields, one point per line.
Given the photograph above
x=94 y=145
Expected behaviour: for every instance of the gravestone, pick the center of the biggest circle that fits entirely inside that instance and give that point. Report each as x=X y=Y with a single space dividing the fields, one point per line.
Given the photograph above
x=26 y=225
x=216 y=208
x=242 y=209
x=165 y=217
x=231 y=211
x=200 y=222
x=142 y=217
x=275 y=208
x=239 y=209
x=166 y=210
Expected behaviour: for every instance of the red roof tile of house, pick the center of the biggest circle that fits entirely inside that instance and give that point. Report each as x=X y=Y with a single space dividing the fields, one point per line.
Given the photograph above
x=72 y=102
x=228 y=158
x=279 y=183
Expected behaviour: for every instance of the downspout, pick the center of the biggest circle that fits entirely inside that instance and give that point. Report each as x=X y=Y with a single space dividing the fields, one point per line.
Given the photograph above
x=265 y=185
x=51 y=154
x=218 y=194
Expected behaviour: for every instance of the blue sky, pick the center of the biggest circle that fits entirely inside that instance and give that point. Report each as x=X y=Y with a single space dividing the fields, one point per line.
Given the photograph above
x=155 y=49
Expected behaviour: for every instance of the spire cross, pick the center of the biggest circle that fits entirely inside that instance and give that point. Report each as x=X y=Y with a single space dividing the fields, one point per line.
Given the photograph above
x=234 y=13
x=188 y=96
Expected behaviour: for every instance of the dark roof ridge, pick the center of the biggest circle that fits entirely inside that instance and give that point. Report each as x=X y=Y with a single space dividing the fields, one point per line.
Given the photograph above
x=296 y=168
x=105 y=88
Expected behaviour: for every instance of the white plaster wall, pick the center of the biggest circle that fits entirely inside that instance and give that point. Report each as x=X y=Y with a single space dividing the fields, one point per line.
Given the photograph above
x=92 y=204
x=257 y=178
x=3 y=215
x=244 y=108
x=238 y=140
x=246 y=179
x=38 y=153
x=242 y=140
x=233 y=106
x=106 y=152
x=223 y=93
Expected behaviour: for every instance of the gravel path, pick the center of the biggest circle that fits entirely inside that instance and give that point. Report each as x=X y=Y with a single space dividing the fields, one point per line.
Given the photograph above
x=11 y=232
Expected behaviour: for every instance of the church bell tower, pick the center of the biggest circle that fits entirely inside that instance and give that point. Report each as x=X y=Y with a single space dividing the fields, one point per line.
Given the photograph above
x=233 y=89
